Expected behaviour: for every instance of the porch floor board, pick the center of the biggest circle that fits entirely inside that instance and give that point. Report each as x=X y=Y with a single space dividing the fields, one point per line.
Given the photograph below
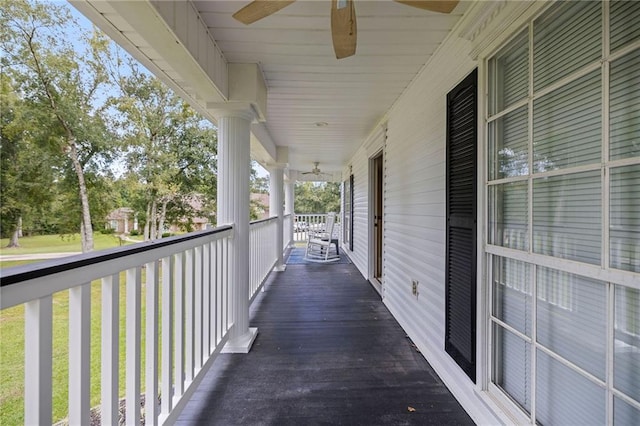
x=328 y=352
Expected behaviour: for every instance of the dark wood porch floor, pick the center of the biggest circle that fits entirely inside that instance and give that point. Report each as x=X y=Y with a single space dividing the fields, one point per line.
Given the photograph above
x=328 y=352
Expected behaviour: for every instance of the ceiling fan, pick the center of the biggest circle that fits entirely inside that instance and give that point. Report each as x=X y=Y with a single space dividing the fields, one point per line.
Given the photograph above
x=343 y=18
x=316 y=171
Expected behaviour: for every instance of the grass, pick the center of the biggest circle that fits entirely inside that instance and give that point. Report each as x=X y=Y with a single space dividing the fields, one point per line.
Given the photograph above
x=58 y=244
x=12 y=332
x=12 y=354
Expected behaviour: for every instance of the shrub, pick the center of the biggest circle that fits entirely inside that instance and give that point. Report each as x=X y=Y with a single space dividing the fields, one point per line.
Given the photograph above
x=134 y=232
x=107 y=231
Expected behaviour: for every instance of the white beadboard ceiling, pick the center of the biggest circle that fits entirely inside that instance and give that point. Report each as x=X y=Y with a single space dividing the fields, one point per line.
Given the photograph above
x=307 y=84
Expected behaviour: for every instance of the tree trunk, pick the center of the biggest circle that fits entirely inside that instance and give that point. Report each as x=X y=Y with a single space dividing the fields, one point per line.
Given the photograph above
x=86 y=231
x=163 y=215
x=19 y=227
x=147 y=229
x=13 y=241
x=154 y=222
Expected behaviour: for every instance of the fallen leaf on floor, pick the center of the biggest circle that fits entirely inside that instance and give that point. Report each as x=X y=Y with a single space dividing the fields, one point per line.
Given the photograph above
x=411 y=409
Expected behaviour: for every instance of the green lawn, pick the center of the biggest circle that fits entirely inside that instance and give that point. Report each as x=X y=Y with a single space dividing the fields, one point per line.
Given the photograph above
x=12 y=339
x=58 y=244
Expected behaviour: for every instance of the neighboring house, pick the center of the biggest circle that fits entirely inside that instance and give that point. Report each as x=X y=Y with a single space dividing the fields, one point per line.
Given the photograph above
x=121 y=220
x=260 y=203
x=198 y=223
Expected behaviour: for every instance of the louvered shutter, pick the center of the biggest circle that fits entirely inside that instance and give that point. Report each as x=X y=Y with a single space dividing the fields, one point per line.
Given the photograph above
x=460 y=310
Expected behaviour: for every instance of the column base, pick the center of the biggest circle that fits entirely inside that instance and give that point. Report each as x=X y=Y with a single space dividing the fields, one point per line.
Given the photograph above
x=280 y=268
x=242 y=344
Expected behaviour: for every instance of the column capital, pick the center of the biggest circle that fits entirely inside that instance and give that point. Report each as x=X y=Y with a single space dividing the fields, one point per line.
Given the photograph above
x=233 y=109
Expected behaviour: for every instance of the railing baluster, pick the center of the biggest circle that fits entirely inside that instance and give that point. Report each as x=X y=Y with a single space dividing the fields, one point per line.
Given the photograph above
x=178 y=341
x=79 y=353
x=219 y=283
x=212 y=296
x=132 y=411
x=110 y=348
x=38 y=361
x=206 y=307
x=167 y=337
x=197 y=352
x=189 y=313
x=151 y=344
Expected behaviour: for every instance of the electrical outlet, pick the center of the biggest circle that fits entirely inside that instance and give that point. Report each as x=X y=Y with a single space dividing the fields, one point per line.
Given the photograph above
x=414 y=287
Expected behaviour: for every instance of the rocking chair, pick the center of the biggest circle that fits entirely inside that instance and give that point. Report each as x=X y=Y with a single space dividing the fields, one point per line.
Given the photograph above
x=321 y=247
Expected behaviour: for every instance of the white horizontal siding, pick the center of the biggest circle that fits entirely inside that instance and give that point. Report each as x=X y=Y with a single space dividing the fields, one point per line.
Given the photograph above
x=414 y=214
x=360 y=170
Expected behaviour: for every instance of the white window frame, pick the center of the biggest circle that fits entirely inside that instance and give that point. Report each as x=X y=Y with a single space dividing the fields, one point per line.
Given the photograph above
x=602 y=272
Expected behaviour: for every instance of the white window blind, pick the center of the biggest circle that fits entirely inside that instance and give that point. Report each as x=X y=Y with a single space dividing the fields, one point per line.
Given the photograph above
x=565 y=397
x=626 y=358
x=567 y=125
x=509 y=224
x=624 y=218
x=509 y=145
x=624 y=114
x=567 y=216
x=512 y=293
x=567 y=183
x=578 y=334
x=512 y=366
x=625 y=23
x=510 y=74
x=566 y=38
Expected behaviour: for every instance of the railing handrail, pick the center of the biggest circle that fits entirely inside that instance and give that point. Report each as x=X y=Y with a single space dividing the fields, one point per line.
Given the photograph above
x=120 y=258
x=268 y=219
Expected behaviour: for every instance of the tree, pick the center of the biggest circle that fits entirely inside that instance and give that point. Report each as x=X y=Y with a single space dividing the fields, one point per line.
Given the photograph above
x=62 y=83
x=169 y=147
x=26 y=171
x=317 y=197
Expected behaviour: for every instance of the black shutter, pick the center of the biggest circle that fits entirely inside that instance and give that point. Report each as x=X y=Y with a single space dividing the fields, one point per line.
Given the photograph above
x=460 y=309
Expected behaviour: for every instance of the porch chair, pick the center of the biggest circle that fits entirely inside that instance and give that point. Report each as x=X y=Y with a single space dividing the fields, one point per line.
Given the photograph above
x=321 y=246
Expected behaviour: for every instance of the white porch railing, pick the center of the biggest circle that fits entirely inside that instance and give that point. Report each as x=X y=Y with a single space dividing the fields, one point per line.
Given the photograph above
x=312 y=222
x=187 y=273
x=288 y=232
x=263 y=256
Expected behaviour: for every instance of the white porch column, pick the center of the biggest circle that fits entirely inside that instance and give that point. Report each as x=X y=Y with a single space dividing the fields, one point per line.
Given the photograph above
x=276 y=175
x=289 y=208
x=234 y=127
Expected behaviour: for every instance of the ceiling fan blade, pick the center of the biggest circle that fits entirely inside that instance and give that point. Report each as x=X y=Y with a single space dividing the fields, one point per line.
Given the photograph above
x=259 y=9
x=434 y=6
x=343 y=28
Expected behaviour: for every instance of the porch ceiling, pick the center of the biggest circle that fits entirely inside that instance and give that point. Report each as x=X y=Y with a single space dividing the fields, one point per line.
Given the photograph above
x=306 y=84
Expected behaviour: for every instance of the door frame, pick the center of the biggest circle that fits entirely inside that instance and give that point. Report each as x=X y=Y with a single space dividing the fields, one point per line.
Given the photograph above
x=374 y=192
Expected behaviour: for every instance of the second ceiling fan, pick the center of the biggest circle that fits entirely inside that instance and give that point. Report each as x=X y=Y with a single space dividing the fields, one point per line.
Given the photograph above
x=343 y=18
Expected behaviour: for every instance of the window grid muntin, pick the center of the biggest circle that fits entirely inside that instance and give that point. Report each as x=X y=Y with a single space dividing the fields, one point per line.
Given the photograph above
x=612 y=275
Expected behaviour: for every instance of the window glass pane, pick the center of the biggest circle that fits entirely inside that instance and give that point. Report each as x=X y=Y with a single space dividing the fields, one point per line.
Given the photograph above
x=624 y=114
x=626 y=358
x=512 y=366
x=625 y=218
x=624 y=414
x=508 y=215
x=565 y=397
x=567 y=217
x=566 y=38
x=509 y=144
x=567 y=125
x=512 y=293
x=625 y=23
x=572 y=318
x=509 y=74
